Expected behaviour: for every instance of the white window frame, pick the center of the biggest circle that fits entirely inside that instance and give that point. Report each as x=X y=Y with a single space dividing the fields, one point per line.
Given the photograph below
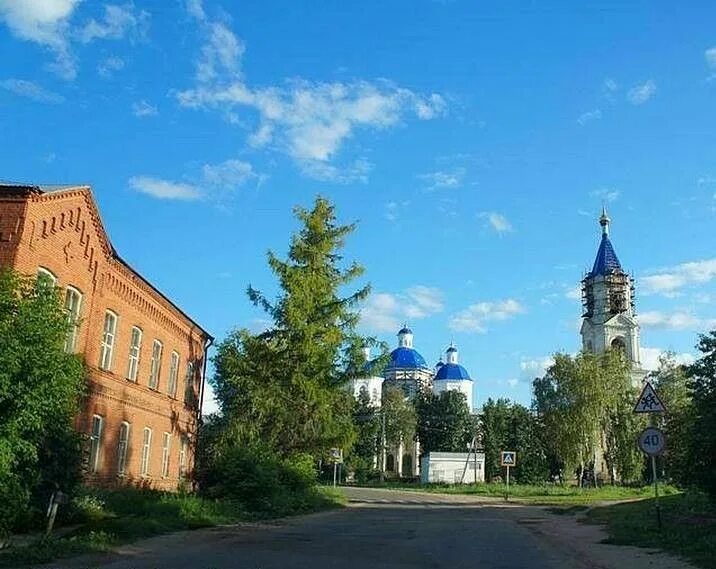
x=182 y=457
x=134 y=354
x=108 y=339
x=42 y=272
x=189 y=382
x=166 y=450
x=146 y=451
x=95 y=442
x=125 y=430
x=173 y=374
x=73 y=318
x=156 y=365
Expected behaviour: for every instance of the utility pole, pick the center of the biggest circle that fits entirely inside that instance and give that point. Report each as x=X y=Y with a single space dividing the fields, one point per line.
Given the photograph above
x=382 y=444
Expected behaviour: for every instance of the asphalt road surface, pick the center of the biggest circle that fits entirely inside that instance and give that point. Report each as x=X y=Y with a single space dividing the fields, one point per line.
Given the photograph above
x=381 y=529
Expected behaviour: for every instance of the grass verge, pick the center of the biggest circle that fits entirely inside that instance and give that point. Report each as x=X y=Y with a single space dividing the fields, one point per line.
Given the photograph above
x=114 y=517
x=688 y=526
x=551 y=495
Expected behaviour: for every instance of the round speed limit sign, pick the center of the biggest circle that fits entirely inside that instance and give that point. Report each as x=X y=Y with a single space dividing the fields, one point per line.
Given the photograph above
x=652 y=441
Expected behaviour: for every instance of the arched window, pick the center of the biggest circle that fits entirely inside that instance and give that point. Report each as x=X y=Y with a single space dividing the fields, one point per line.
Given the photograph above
x=122 y=447
x=135 y=348
x=46 y=277
x=146 y=448
x=407 y=465
x=156 y=365
x=73 y=303
x=619 y=344
x=108 y=336
x=390 y=463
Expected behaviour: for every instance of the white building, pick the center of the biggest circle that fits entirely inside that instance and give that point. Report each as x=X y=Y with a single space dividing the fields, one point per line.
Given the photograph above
x=609 y=319
x=452 y=467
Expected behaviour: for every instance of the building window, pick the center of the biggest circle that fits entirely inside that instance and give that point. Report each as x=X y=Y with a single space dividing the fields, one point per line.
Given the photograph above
x=73 y=302
x=122 y=447
x=95 y=442
x=166 y=446
x=189 y=384
x=156 y=367
x=135 y=348
x=182 y=457
x=173 y=374
x=108 y=335
x=46 y=277
x=146 y=448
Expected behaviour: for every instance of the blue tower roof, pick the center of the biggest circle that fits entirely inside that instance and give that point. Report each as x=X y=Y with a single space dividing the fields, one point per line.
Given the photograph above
x=405 y=330
x=406 y=358
x=607 y=261
x=452 y=371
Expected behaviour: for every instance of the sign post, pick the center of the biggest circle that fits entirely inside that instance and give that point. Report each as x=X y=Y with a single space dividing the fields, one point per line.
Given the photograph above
x=652 y=441
x=508 y=458
x=336 y=458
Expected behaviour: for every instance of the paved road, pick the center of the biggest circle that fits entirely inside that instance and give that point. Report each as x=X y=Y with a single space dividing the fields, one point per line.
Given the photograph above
x=381 y=529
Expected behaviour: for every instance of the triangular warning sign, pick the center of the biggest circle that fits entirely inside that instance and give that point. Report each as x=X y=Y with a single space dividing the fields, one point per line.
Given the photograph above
x=649 y=401
x=508 y=458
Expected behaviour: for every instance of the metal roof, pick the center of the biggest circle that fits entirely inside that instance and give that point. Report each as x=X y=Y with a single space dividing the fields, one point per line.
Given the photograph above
x=607 y=261
x=452 y=371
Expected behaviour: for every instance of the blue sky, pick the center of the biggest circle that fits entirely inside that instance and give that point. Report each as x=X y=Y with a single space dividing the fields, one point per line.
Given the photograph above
x=473 y=142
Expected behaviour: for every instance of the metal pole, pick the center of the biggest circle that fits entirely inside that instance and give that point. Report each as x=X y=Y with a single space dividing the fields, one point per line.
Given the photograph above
x=382 y=446
x=507 y=489
x=335 y=470
x=656 y=492
x=474 y=449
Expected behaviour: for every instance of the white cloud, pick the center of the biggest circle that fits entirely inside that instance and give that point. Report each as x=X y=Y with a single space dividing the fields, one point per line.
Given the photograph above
x=593 y=115
x=384 y=312
x=535 y=367
x=605 y=194
x=47 y=23
x=679 y=320
x=497 y=221
x=229 y=174
x=326 y=172
x=44 y=22
x=108 y=66
x=31 y=90
x=164 y=189
x=650 y=358
x=442 y=179
x=574 y=293
x=116 y=23
x=670 y=280
x=476 y=316
x=310 y=121
x=641 y=93
x=710 y=56
x=143 y=109
x=512 y=382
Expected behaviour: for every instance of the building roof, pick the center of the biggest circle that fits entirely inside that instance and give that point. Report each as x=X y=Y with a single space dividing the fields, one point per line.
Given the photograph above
x=607 y=261
x=404 y=330
x=406 y=358
x=26 y=190
x=452 y=371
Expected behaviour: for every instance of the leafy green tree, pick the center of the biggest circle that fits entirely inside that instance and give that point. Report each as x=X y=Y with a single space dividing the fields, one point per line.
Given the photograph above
x=510 y=426
x=40 y=387
x=285 y=387
x=398 y=415
x=364 y=452
x=444 y=423
x=702 y=374
x=672 y=384
x=584 y=405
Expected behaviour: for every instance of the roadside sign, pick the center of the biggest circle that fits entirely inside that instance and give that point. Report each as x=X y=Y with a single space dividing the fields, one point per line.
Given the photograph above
x=652 y=441
x=508 y=458
x=336 y=454
x=649 y=401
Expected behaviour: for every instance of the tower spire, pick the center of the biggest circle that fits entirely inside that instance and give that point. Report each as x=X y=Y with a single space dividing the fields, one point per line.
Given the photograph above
x=604 y=221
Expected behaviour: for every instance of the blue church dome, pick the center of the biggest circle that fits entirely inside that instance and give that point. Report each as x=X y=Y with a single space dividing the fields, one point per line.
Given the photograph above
x=406 y=358
x=452 y=371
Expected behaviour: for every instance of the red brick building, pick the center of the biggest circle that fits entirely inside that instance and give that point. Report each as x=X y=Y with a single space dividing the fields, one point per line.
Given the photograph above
x=145 y=357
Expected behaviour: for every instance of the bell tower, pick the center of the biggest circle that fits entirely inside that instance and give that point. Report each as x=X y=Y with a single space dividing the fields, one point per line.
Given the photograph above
x=608 y=318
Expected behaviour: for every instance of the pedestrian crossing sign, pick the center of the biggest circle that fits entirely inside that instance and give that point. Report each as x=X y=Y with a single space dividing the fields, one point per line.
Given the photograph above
x=649 y=401
x=508 y=458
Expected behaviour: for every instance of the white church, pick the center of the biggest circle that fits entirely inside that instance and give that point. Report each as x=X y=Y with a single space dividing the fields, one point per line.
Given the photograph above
x=408 y=370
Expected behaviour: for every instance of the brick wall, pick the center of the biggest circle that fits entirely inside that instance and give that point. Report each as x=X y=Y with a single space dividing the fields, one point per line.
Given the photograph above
x=62 y=233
